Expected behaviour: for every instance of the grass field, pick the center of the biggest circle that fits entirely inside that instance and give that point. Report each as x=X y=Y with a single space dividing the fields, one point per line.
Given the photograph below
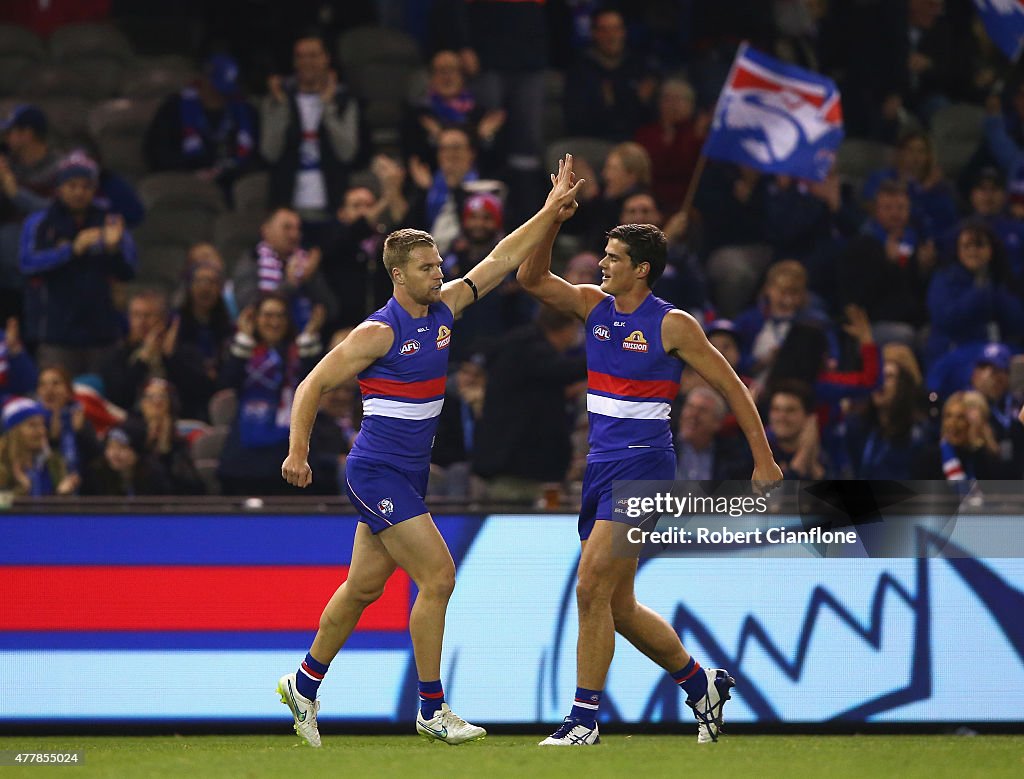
x=624 y=757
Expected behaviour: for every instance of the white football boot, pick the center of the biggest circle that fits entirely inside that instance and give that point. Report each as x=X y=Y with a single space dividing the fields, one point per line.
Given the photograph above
x=447 y=726
x=572 y=733
x=304 y=710
x=708 y=710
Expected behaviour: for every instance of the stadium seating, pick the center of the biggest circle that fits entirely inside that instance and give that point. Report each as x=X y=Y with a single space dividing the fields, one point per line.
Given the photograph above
x=371 y=44
x=20 y=51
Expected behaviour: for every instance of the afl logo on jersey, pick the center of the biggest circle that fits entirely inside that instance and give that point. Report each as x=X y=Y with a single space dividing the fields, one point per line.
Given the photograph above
x=602 y=333
x=444 y=337
x=410 y=347
x=635 y=342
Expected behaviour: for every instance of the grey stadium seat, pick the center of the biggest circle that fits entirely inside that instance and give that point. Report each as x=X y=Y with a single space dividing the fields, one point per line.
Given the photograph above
x=252 y=191
x=593 y=150
x=20 y=51
x=48 y=79
x=370 y=43
x=182 y=190
x=75 y=40
x=160 y=265
x=223 y=408
x=235 y=233
x=157 y=77
x=957 y=130
x=117 y=127
x=858 y=158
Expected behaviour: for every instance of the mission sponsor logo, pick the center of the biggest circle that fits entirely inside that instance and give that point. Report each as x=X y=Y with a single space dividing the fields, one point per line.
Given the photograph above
x=635 y=342
x=410 y=347
x=602 y=333
x=444 y=337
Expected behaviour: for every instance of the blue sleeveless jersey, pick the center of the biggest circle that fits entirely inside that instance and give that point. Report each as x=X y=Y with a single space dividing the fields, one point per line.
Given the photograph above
x=403 y=391
x=631 y=381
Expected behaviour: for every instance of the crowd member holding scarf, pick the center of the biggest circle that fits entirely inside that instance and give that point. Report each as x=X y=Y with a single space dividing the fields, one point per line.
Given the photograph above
x=68 y=430
x=312 y=135
x=443 y=193
x=27 y=464
x=265 y=364
x=278 y=263
x=70 y=253
x=207 y=127
x=956 y=457
x=448 y=103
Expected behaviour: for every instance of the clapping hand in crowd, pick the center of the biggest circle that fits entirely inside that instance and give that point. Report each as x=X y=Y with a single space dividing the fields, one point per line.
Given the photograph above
x=12 y=336
x=113 y=231
x=8 y=183
x=302 y=265
x=858 y=325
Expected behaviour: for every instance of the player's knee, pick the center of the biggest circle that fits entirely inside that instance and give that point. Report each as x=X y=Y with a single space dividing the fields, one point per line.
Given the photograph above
x=363 y=594
x=591 y=590
x=440 y=584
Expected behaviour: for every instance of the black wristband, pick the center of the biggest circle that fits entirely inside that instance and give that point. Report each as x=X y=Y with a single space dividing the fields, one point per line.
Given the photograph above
x=472 y=286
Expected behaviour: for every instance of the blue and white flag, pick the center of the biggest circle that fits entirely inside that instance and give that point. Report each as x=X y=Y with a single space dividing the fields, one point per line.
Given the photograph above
x=1004 y=21
x=777 y=118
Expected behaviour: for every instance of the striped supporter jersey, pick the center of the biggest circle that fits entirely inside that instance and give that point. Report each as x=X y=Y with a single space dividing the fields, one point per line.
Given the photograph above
x=631 y=381
x=403 y=391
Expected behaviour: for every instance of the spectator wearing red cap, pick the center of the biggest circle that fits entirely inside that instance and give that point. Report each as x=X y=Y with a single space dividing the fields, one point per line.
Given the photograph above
x=482 y=222
x=207 y=127
x=27 y=464
x=991 y=377
x=70 y=253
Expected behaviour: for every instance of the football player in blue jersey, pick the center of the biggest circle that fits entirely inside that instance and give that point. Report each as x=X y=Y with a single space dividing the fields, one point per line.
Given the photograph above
x=400 y=354
x=636 y=345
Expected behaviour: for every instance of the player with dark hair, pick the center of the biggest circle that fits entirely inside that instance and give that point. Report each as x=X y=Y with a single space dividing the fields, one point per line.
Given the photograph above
x=636 y=345
x=400 y=354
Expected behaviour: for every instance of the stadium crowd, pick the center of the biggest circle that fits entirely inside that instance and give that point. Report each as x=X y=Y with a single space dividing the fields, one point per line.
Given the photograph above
x=176 y=253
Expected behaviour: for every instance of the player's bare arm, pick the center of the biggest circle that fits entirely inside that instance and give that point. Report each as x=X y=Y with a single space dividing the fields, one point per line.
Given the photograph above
x=368 y=342
x=514 y=248
x=535 y=275
x=684 y=338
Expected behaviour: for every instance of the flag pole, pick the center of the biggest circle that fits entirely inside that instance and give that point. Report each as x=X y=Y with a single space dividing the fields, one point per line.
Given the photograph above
x=698 y=170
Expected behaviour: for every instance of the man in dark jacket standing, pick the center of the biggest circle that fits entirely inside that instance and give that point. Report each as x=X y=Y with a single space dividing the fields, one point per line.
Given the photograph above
x=523 y=438
x=69 y=254
x=310 y=136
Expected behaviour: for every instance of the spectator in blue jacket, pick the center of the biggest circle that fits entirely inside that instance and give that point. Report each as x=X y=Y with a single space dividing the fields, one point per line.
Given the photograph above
x=988 y=201
x=17 y=368
x=974 y=298
x=69 y=254
x=931 y=197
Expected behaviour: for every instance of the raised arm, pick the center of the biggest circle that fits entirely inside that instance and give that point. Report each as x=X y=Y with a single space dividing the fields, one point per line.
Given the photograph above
x=513 y=249
x=536 y=277
x=368 y=342
x=684 y=338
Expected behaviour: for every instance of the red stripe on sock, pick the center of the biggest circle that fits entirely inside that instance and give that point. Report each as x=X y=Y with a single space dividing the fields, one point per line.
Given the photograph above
x=696 y=667
x=311 y=672
x=431 y=695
